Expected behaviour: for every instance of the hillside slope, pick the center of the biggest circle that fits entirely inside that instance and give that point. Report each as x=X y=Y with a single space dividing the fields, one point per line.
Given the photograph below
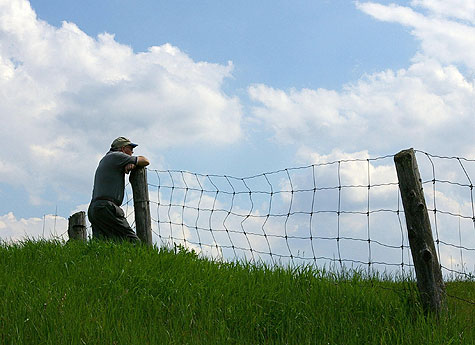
x=106 y=293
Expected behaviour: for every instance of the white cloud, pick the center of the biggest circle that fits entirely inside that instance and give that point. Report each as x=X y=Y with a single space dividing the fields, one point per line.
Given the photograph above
x=460 y=9
x=48 y=227
x=442 y=35
x=428 y=105
x=65 y=96
x=383 y=112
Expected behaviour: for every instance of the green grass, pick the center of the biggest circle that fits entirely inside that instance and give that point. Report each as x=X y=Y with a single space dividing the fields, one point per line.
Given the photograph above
x=106 y=293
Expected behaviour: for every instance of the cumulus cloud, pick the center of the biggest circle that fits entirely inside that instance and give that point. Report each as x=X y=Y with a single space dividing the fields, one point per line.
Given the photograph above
x=48 y=227
x=459 y=9
x=446 y=33
x=65 y=96
x=428 y=105
x=386 y=111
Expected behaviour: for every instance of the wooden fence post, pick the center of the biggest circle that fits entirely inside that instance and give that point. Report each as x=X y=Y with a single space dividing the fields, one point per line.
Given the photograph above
x=143 y=221
x=428 y=273
x=77 y=226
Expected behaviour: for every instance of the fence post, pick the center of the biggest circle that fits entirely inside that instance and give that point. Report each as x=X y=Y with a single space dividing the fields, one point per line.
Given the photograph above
x=77 y=226
x=428 y=273
x=143 y=221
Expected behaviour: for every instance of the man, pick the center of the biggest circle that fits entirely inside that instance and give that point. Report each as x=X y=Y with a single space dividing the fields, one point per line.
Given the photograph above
x=106 y=217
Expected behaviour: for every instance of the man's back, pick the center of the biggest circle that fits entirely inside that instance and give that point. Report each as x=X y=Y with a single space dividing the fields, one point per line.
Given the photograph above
x=109 y=178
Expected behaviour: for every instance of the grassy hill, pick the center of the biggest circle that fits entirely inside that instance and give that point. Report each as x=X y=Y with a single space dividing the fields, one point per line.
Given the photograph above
x=106 y=293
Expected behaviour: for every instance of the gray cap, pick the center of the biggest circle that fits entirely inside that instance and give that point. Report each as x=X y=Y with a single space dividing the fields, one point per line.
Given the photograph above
x=121 y=142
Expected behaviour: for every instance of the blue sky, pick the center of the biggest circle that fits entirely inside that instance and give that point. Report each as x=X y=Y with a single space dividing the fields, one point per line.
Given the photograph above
x=311 y=44
x=281 y=43
x=223 y=87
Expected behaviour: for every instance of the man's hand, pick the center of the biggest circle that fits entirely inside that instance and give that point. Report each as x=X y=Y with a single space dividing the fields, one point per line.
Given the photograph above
x=142 y=161
x=129 y=168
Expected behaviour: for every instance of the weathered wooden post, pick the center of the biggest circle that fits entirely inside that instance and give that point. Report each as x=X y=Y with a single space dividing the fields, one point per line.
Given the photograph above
x=428 y=273
x=77 y=226
x=143 y=221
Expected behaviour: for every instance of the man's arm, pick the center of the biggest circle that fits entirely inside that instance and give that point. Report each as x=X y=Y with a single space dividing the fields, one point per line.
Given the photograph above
x=141 y=162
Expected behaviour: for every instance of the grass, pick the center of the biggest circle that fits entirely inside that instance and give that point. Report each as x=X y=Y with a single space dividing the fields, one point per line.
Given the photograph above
x=109 y=293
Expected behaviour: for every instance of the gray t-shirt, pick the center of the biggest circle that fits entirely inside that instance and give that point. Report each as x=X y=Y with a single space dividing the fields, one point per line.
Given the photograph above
x=109 y=181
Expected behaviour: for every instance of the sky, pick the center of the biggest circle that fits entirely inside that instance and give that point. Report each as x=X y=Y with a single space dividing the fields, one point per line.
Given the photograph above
x=222 y=87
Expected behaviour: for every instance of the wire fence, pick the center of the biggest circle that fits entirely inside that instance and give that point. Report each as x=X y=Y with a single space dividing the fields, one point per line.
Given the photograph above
x=451 y=203
x=342 y=214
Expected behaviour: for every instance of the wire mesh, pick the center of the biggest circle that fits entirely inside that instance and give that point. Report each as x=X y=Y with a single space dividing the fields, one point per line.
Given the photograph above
x=346 y=212
x=319 y=214
x=343 y=214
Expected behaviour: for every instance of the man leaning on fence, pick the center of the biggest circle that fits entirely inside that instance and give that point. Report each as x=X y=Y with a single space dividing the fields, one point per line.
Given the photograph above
x=107 y=218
